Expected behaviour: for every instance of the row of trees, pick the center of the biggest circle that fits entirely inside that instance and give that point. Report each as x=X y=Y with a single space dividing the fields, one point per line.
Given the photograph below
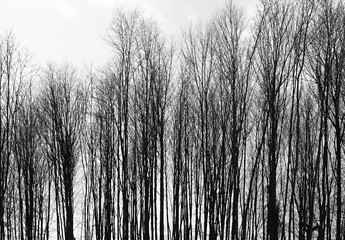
x=229 y=135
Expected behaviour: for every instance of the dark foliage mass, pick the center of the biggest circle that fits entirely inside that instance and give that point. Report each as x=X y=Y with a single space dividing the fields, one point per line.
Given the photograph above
x=235 y=133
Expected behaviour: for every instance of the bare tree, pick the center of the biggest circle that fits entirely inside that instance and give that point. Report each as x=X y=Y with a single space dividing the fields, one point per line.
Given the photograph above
x=233 y=89
x=62 y=114
x=274 y=69
x=13 y=74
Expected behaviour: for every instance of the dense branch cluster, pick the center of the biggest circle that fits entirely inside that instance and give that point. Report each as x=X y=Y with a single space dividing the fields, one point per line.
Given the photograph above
x=228 y=135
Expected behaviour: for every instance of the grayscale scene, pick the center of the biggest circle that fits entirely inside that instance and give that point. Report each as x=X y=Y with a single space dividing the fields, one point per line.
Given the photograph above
x=172 y=119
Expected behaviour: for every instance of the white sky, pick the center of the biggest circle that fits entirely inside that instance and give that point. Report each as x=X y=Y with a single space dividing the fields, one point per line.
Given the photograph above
x=73 y=31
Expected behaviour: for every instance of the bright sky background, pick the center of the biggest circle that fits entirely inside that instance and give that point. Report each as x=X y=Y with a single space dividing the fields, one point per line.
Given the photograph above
x=73 y=31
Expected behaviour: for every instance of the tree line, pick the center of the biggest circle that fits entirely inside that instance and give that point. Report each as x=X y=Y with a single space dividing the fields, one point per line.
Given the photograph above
x=235 y=133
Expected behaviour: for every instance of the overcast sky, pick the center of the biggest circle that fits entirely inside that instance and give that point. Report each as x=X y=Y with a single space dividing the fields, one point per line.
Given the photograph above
x=74 y=30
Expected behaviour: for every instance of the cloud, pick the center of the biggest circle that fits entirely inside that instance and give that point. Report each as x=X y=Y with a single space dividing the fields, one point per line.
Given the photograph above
x=66 y=9
x=102 y=3
x=142 y=5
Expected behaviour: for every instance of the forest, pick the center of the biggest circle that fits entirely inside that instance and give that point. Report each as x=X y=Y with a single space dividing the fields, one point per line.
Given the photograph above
x=234 y=132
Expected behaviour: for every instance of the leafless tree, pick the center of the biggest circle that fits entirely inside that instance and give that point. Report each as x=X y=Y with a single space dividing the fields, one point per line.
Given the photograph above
x=61 y=117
